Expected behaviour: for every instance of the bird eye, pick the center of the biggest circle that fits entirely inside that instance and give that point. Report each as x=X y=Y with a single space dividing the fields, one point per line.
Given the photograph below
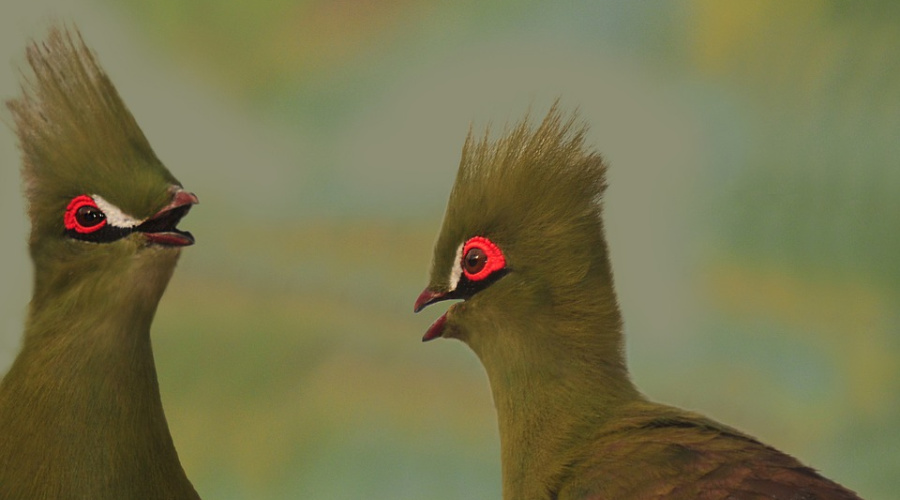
x=88 y=216
x=481 y=258
x=83 y=215
x=474 y=260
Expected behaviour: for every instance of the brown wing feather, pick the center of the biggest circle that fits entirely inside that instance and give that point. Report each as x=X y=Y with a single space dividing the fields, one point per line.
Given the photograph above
x=686 y=456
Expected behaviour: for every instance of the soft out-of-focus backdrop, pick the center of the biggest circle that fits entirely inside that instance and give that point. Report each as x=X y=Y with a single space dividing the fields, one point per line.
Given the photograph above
x=753 y=215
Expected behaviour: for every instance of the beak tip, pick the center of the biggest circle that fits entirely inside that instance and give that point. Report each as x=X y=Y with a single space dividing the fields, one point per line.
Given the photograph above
x=186 y=198
x=425 y=298
x=435 y=330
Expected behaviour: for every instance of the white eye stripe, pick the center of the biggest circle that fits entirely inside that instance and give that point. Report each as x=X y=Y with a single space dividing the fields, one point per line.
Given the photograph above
x=456 y=270
x=114 y=216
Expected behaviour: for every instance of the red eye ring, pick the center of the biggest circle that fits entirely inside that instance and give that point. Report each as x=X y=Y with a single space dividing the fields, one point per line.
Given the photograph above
x=76 y=212
x=488 y=255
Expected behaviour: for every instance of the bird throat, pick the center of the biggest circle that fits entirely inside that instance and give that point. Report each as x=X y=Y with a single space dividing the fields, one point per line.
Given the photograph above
x=532 y=380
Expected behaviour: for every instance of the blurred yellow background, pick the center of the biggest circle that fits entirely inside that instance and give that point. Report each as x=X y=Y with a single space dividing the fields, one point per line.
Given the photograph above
x=753 y=216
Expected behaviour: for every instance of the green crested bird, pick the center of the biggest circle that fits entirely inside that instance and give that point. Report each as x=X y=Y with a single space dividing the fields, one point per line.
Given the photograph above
x=80 y=410
x=522 y=246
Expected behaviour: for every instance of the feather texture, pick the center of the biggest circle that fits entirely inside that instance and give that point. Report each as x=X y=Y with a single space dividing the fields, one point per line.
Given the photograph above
x=77 y=135
x=80 y=410
x=549 y=334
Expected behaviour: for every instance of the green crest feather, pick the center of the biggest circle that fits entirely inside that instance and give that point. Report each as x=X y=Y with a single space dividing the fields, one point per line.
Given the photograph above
x=78 y=137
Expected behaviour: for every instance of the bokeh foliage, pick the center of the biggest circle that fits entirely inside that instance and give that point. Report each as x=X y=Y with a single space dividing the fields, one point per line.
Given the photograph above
x=288 y=355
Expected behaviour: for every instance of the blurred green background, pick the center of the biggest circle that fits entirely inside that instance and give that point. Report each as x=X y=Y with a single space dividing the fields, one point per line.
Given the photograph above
x=753 y=218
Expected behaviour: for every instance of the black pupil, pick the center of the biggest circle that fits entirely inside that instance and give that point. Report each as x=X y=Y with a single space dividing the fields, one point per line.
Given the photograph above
x=475 y=260
x=89 y=216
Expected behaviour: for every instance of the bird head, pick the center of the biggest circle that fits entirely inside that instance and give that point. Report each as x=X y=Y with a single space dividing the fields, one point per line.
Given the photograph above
x=97 y=194
x=522 y=242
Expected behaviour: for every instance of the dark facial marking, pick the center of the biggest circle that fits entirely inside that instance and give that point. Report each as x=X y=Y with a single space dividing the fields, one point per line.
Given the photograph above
x=86 y=222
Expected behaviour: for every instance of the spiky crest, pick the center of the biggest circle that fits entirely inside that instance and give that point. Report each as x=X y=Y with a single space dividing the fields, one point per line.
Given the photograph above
x=534 y=189
x=78 y=137
x=80 y=409
x=549 y=334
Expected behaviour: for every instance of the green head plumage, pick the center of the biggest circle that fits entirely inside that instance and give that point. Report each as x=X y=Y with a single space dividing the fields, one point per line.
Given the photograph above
x=94 y=186
x=522 y=245
x=535 y=195
x=80 y=410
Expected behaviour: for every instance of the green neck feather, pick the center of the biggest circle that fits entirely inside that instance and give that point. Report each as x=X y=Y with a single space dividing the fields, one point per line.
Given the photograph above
x=548 y=331
x=540 y=360
x=80 y=410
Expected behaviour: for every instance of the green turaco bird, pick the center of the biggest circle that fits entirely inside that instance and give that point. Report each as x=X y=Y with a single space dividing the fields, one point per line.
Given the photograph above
x=522 y=247
x=80 y=409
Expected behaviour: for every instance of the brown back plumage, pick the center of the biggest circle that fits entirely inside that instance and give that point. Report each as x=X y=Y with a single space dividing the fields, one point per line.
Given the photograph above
x=682 y=455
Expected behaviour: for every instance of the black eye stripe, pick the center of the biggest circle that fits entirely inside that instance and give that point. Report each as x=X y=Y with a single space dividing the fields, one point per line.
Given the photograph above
x=105 y=234
x=85 y=221
x=466 y=288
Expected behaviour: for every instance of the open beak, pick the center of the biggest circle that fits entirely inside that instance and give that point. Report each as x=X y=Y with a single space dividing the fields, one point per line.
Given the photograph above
x=162 y=228
x=426 y=298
